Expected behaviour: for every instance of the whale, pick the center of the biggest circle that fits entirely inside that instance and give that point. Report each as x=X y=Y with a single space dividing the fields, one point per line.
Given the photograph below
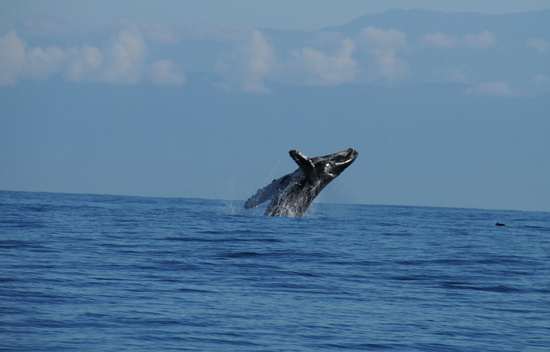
x=292 y=194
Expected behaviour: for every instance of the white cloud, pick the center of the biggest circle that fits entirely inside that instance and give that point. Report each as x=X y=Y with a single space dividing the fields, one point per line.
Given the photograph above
x=372 y=38
x=253 y=61
x=389 y=65
x=121 y=61
x=40 y=64
x=248 y=65
x=318 y=68
x=16 y=61
x=383 y=45
x=479 y=41
x=83 y=63
x=166 y=73
x=541 y=46
x=497 y=89
x=12 y=58
x=259 y=59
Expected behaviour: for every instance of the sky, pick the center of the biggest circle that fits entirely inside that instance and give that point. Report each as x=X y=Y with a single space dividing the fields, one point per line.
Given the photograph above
x=205 y=98
x=279 y=14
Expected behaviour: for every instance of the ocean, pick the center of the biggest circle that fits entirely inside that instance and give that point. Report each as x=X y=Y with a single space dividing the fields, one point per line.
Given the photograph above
x=118 y=273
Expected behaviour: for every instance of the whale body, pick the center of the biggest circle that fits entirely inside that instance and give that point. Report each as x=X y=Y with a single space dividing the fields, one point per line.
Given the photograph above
x=292 y=194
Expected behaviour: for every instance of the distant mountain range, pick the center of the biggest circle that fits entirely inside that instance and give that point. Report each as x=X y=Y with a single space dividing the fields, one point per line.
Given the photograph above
x=417 y=23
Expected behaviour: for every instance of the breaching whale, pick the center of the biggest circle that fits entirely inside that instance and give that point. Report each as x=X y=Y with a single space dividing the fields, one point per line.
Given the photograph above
x=292 y=194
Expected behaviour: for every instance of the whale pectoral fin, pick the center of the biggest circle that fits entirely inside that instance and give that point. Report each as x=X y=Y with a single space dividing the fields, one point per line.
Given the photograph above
x=264 y=194
x=305 y=164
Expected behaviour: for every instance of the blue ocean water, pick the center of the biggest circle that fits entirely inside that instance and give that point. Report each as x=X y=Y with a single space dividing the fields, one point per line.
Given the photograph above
x=113 y=273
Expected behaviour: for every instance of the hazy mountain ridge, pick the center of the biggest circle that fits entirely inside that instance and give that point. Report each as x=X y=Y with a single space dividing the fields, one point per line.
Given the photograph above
x=419 y=22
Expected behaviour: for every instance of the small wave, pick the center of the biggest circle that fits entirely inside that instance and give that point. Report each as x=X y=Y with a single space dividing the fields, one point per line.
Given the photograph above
x=464 y=286
x=13 y=244
x=26 y=224
x=193 y=290
x=242 y=255
x=222 y=240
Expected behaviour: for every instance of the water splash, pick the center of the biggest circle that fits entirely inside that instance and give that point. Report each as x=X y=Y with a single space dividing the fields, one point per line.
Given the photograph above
x=294 y=200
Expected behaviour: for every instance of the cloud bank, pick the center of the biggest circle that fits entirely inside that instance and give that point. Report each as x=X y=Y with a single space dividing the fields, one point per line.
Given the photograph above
x=383 y=46
x=123 y=60
x=252 y=60
x=16 y=61
x=248 y=65
x=481 y=41
x=318 y=68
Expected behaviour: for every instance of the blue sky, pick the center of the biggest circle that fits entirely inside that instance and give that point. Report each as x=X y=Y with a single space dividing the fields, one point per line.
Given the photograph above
x=205 y=98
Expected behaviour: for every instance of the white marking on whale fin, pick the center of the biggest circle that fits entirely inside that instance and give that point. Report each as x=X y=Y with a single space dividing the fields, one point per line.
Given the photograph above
x=264 y=194
x=305 y=164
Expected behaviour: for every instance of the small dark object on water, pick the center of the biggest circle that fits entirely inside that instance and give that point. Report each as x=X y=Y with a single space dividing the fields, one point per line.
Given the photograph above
x=499 y=224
